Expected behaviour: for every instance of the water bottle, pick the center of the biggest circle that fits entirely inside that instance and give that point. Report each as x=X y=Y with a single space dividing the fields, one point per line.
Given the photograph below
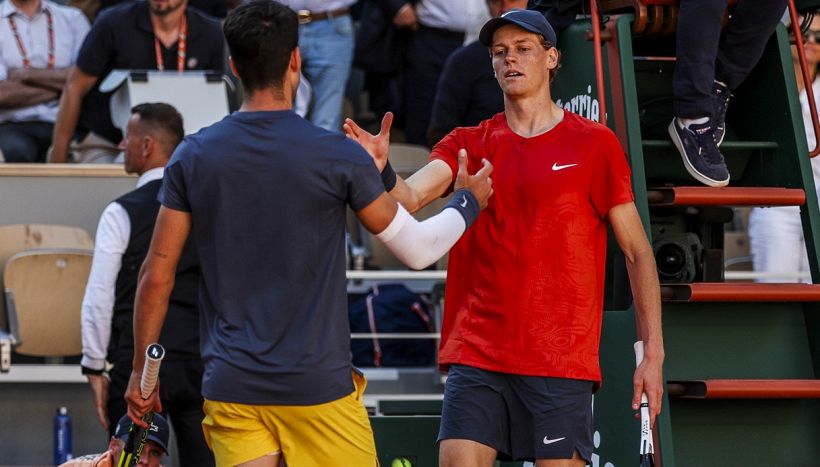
x=62 y=436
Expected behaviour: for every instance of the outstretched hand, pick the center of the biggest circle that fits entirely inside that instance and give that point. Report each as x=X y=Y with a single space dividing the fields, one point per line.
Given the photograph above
x=378 y=146
x=480 y=184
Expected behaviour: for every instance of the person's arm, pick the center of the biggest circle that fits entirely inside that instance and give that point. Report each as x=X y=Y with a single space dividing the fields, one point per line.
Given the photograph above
x=419 y=244
x=77 y=87
x=405 y=17
x=156 y=281
x=423 y=187
x=51 y=79
x=97 y=310
x=394 y=9
x=16 y=95
x=643 y=277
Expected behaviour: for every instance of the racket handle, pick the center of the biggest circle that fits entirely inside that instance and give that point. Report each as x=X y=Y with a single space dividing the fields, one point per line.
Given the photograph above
x=647 y=446
x=638 y=359
x=638 y=352
x=150 y=372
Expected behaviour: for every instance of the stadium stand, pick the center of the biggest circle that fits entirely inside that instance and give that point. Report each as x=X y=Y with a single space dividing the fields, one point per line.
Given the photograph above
x=44 y=290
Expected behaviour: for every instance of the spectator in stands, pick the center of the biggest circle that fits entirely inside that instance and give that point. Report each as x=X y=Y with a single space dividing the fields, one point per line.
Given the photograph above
x=278 y=381
x=467 y=91
x=709 y=66
x=157 y=34
x=39 y=41
x=524 y=295
x=440 y=27
x=215 y=8
x=559 y=13
x=153 y=453
x=776 y=233
x=123 y=236
x=326 y=46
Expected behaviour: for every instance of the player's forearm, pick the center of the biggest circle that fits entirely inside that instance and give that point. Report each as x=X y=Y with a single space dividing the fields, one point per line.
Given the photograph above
x=646 y=292
x=424 y=186
x=150 y=308
x=406 y=195
x=16 y=95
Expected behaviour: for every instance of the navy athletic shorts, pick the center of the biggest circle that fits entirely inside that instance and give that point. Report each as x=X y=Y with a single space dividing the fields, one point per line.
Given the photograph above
x=522 y=417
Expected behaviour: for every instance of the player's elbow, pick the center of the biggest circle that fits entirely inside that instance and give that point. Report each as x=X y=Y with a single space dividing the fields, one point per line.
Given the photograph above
x=154 y=283
x=417 y=262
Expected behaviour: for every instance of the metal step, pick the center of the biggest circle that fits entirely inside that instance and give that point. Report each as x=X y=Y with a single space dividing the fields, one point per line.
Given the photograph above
x=740 y=292
x=745 y=389
x=729 y=196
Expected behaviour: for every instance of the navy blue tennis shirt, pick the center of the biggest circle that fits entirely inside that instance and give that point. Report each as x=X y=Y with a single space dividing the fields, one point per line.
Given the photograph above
x=267 y=193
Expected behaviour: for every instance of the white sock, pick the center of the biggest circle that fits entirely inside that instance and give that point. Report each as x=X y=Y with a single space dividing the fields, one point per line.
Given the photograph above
x=685 y=122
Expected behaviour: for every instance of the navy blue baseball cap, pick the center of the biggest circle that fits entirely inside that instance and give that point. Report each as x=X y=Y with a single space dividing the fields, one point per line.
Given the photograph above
x=158 y=431
x=530 y=20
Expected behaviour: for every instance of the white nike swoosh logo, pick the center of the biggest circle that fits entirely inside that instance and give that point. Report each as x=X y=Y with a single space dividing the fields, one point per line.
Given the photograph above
x=555 y=166
x=550 y=441
x=464 y=202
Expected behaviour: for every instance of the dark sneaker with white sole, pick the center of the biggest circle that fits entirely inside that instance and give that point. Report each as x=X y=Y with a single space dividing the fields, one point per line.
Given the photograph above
x=722 y=96
x=701 y=156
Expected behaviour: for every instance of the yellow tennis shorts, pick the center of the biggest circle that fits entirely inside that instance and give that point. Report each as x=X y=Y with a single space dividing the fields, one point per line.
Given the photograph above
x=333 y=433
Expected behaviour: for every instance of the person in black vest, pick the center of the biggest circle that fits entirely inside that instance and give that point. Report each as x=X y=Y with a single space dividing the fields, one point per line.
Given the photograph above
x=123 y=237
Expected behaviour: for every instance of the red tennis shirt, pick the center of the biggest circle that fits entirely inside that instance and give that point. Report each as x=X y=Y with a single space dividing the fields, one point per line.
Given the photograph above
x=525 y=283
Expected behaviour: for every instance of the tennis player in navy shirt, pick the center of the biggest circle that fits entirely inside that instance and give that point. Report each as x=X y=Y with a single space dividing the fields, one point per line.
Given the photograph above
x=265 y=193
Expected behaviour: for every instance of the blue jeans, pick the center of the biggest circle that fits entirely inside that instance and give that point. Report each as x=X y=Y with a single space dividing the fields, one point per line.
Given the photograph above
x=25 y=141
x=327 y=54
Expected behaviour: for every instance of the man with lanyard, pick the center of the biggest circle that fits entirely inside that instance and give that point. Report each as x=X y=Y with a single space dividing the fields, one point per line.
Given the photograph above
x=326 y=43
x=39 y=41
x=152 y=35
x=524 y=296
x=269 y=225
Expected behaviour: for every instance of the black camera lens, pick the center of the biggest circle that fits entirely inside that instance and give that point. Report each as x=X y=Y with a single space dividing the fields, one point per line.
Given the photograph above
x=670 y=259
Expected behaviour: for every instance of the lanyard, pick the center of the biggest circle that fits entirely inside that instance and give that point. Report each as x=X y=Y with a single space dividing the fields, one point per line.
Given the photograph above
x=22 y=47
x=182 y=47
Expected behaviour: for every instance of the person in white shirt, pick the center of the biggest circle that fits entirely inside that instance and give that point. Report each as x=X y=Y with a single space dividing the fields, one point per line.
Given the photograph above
x=39 y=41
x=776 y=233
x=326 y=43
x=123 y=236
x=441 y=27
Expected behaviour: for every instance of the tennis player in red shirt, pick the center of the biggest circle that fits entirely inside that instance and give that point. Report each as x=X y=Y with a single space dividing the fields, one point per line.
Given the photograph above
x=524 y=295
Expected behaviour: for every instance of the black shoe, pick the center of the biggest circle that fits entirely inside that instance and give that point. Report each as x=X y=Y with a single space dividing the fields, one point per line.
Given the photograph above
x=701 y=156
x=722 y=97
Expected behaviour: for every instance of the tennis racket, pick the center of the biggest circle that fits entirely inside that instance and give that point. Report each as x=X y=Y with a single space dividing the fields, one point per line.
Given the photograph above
x=647 y=448
x=130 y=456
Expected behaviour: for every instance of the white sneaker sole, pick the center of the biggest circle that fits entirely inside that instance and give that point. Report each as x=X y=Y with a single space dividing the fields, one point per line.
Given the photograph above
x=688 y=166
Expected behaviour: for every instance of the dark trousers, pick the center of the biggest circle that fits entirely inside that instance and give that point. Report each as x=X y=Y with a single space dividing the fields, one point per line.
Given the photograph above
x=25 y=141
x=181 y=396
x=703 y=54
x=427 y=51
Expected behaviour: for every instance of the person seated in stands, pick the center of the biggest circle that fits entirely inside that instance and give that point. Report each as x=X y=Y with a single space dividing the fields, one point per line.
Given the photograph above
x=776 y=233
x=154 y=452
x=152 y=35
x=39 y=41
x=467 y=91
